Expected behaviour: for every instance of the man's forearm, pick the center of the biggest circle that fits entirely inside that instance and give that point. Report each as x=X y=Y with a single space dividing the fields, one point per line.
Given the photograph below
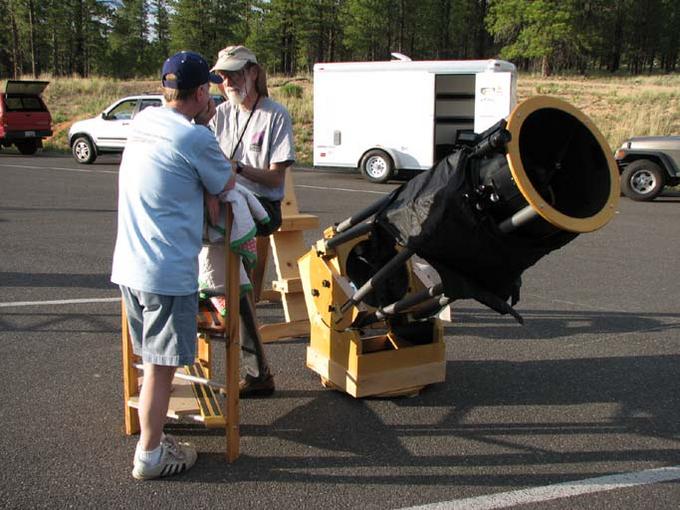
x=272 y=178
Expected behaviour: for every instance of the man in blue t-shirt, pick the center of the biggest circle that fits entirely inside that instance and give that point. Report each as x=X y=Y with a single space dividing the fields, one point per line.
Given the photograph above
x=169 y=163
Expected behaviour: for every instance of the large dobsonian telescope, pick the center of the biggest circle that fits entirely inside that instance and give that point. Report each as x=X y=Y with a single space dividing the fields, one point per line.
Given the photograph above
x=498 y=203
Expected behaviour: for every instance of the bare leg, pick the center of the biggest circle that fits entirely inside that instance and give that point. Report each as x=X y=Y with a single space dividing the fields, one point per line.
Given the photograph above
x=153 y=404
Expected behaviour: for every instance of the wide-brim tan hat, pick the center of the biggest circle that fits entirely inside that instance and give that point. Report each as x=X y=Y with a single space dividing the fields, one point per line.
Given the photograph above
x=233 y=58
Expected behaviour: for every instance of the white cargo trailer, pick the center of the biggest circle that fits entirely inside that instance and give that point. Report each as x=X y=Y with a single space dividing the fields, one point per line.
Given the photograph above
x=382 y=117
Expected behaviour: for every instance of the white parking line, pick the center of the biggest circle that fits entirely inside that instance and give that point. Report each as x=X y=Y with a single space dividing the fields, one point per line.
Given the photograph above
x=342 y=189
x=91 y=171
x=557 y=491
x=59 y=302
x=86 y=171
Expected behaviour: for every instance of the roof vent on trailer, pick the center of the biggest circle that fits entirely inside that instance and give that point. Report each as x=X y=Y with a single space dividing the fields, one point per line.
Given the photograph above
x=400 y=57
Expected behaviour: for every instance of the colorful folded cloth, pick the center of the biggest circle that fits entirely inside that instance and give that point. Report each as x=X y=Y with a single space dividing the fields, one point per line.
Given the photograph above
x=247 y=210
x=219 y=303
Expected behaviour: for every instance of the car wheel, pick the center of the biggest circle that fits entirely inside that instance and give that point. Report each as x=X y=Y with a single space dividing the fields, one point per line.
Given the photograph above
x=27 y=147
x=642 y=180
x=83 y=150
x=377 y=166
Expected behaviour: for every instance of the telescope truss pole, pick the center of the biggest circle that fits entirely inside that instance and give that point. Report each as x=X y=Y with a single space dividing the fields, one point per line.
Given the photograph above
x=432 y=295
x=366 y=213
x=382 y=274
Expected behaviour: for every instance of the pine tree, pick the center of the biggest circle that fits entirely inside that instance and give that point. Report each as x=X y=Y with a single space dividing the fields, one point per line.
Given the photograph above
x=206 y=26
x=670 y=39
x=132 y=37
x=5 y=41
x=543 y=30
x=128 y=54
x=367 y=35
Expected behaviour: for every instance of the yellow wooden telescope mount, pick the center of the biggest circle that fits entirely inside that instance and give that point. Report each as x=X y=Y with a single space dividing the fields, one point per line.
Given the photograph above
x=391 y=357
x=502 y=200
x=287 y=245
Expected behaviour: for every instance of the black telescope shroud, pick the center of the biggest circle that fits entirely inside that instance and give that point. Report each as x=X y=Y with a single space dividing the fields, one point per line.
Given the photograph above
x=437 y=216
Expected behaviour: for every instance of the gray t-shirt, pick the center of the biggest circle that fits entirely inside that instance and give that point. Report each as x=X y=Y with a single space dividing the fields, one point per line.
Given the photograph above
x=268 y=138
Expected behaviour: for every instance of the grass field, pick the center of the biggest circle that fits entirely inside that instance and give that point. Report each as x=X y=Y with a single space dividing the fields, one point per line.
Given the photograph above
x=621 y=106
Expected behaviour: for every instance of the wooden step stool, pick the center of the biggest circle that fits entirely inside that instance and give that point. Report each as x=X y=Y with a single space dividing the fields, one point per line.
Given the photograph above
x=287 y=245
x=193 y=393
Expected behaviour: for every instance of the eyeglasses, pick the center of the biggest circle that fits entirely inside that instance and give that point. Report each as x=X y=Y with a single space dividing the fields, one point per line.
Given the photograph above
x=232 y=76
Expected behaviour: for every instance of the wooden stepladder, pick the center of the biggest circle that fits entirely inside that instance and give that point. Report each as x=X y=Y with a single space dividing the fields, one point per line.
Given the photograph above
x=195 y=394
x=287 y=245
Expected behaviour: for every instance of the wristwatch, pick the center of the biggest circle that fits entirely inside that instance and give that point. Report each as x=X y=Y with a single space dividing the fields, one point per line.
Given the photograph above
x=239 y=167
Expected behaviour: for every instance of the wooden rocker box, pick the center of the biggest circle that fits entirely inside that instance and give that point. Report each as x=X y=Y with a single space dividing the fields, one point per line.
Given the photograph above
x=378 y=365
x=400 y=361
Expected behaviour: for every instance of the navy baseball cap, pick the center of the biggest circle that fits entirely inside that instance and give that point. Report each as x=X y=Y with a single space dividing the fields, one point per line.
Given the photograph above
x=187 y=70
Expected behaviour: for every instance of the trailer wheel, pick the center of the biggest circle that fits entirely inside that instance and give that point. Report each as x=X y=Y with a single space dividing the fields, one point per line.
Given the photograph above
x=377 y=166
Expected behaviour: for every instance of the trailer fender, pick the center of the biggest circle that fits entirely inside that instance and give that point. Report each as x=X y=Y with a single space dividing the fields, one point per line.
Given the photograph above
x=390 y=152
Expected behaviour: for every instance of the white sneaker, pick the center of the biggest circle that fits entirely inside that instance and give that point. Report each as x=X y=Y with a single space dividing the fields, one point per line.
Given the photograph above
x=175 y=458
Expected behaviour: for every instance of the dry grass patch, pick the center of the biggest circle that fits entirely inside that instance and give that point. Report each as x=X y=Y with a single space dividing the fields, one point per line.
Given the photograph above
x=621 y=107
x=296 y=94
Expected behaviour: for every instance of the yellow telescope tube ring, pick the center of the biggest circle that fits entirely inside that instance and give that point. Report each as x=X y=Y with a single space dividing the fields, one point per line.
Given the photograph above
x=572 y=224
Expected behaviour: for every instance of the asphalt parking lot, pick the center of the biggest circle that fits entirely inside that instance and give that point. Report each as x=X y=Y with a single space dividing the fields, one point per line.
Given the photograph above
x=578 y=408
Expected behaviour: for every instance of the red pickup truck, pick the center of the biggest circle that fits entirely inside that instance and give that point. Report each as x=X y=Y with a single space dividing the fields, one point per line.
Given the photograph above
x=24 y=118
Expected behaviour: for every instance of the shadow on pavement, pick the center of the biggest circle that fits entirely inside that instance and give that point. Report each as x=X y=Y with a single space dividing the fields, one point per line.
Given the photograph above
x=348 y=443
x=547 y=324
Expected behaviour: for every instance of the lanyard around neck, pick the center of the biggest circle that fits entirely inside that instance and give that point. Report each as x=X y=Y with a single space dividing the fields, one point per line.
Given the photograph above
x=233 y=151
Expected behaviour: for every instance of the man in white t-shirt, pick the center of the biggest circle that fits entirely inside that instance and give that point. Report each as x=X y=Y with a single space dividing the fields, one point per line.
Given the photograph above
x=169 y=163
x=256 y=132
